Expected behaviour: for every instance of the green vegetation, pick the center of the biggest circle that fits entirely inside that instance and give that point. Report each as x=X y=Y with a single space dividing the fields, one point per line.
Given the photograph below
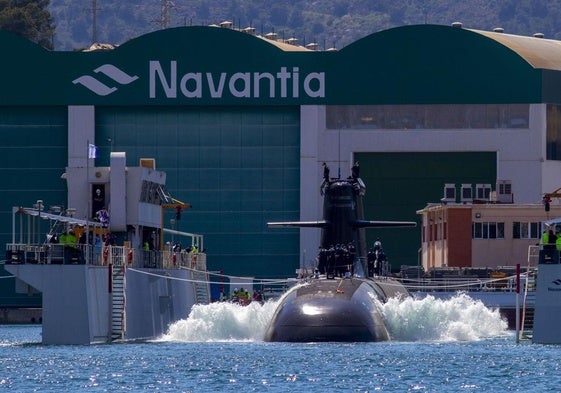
x=330 y=23
x=29 y=18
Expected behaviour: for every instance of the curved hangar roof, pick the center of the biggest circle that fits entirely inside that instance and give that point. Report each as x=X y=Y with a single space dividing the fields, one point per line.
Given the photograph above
x=537 y=51
x=422 y=64
x=445 y=64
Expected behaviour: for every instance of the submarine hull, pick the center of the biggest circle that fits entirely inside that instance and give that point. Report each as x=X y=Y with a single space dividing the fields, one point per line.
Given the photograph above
x=340 y=310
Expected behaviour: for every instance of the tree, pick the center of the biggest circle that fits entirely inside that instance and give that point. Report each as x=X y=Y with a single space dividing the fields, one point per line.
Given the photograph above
x=28 y=18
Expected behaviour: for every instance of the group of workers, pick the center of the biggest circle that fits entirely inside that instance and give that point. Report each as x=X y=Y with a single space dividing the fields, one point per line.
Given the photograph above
x=244 y=297
x=241 y=295
x=377 y=261
x=549 y=238
x=73 y=238
x=65 y=239
x=336 y=260
x=550 y=242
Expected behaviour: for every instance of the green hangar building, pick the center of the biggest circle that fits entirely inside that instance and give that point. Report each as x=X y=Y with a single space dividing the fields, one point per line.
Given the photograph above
x=241 y=124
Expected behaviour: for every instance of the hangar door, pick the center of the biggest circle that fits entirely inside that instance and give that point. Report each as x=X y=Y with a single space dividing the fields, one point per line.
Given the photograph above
x=399 y=184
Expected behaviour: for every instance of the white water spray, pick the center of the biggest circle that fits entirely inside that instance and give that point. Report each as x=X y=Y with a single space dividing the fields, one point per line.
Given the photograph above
x=458 y=319
x=223 y=321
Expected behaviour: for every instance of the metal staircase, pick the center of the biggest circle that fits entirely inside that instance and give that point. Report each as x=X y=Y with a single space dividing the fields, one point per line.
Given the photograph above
x=118 y=317
x=527 y=318
x=528 y=324
x=202 y=292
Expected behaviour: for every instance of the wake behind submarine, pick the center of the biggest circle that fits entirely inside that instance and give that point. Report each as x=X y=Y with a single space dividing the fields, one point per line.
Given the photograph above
x=340 y=302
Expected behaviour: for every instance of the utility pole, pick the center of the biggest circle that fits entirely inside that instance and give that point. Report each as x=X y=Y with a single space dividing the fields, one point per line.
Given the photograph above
x=94 y=20
x=166 y=6
x=165 y=13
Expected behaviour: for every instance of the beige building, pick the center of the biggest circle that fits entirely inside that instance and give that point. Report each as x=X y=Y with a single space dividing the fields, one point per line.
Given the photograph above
x=480 y=233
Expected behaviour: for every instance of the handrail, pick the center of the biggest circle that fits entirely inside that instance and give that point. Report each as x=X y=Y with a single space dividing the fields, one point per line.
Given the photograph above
x=86 y=254
x=501 y=284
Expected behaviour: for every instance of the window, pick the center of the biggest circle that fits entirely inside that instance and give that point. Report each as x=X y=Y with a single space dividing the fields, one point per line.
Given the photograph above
x=151 y=192
x=440 y=116
x=526 y=230
x=477 y=230
x=466 y=192
x=450 y=192
x=488 y=230
x=483 y=191
x=505 y=188
x=553 y=131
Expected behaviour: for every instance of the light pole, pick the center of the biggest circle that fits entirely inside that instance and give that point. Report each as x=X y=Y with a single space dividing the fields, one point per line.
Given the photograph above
x=39 y=208
x=172 y=222
x=110 y=140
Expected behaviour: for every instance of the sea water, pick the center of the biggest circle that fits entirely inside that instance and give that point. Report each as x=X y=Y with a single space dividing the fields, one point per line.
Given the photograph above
x=457 y=345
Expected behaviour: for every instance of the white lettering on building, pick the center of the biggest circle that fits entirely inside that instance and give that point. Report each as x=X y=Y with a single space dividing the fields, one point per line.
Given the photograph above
x=282 y=84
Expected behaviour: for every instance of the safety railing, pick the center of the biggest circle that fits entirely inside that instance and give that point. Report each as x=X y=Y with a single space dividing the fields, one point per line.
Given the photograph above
x=80 y=254
x=474 y=284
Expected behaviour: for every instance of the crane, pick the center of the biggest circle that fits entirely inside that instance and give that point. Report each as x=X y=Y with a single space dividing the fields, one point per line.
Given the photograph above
x=548 y=196
x=171 y=203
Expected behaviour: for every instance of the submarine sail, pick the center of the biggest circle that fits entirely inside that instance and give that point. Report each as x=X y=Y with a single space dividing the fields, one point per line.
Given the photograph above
x=340 y=303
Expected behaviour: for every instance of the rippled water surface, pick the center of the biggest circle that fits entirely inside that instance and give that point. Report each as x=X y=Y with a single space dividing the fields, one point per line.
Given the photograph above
x=451 y=346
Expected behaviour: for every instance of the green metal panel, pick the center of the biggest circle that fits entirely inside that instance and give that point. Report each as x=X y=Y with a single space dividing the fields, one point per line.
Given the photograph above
x=433 y=64
x=33 y=145
x=399 y=184
x=238 y=166
x=213 y=66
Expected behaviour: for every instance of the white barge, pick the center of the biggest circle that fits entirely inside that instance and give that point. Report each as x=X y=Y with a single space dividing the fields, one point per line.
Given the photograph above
x=130 y=285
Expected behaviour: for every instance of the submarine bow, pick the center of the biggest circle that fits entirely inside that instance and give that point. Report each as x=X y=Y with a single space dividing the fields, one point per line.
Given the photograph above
x=345 y=310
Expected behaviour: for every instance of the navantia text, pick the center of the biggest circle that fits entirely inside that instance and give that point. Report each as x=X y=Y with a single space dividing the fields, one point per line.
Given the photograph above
x=285 y=83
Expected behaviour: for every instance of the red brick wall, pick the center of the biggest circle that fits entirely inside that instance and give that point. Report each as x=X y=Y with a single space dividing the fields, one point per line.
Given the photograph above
x=459 y=237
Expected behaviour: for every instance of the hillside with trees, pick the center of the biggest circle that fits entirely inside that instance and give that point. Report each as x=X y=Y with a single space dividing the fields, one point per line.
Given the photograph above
x=29 y=18
x=330 y=23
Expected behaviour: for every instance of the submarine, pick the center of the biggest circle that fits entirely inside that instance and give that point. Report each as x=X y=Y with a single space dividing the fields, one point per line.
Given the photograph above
x=341 y=301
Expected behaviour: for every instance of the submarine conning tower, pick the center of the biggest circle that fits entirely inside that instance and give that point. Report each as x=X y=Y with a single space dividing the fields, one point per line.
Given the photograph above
x=342 y=212
x=342 y=204
x=343 y=238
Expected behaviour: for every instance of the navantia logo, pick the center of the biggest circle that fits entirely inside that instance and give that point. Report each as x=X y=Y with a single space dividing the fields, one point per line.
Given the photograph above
x=557 y=287
x=115 y=75
x=169 y=81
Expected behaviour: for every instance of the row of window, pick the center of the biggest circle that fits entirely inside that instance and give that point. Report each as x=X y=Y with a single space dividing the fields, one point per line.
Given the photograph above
x=491 y=230
x=496 y=230
x=445 y=116
x=488 y=230
x=441 y=116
